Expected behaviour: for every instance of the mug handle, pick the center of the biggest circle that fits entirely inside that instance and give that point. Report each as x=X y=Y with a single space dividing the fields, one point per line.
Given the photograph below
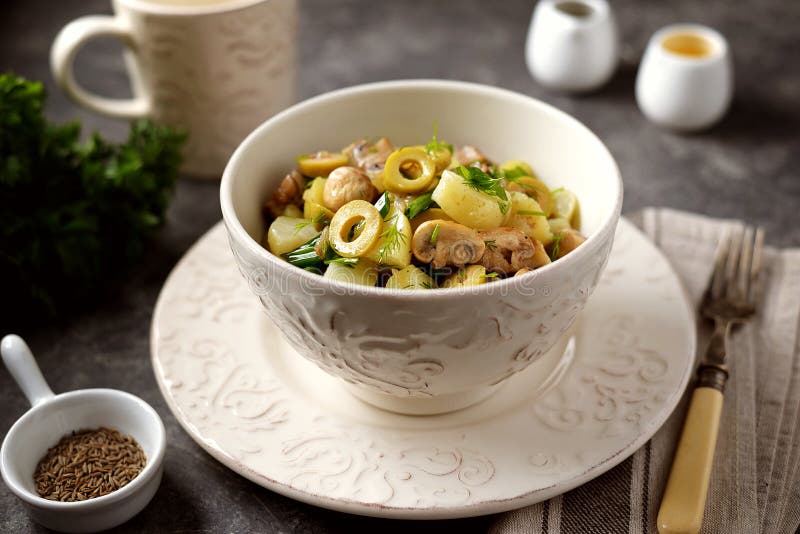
x=62 y=57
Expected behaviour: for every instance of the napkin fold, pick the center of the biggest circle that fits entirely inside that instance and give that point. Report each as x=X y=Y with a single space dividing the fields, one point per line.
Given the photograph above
x=755 y=482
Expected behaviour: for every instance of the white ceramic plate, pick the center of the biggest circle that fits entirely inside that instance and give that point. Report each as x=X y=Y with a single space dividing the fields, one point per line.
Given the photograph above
x=243 y=394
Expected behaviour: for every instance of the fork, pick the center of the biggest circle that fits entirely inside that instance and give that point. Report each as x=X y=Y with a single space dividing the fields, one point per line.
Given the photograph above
x=730 y=299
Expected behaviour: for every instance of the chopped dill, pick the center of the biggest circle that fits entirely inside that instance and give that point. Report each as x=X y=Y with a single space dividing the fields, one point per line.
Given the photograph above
x=318 y=218
x=490 y=244
x=490 y=275
x=478 y=180
x=393 y=238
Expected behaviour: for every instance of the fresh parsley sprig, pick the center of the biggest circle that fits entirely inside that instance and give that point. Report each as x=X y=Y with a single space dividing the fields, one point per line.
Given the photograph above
x=75 y=215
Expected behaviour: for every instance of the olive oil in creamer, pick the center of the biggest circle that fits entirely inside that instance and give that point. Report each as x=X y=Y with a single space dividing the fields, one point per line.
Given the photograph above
x=688 y=44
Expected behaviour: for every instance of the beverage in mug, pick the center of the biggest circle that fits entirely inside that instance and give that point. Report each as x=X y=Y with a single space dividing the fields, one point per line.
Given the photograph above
x=217 y=68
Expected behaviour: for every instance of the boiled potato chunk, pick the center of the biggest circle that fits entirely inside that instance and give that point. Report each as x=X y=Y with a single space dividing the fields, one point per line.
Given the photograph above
x=558 y=224
x=393 y=246
x=412 y=277
x=472 y=275
x=527 y=215
x=364 y=273
x=313 y=207
x=565 y=205
x=287 y=233
x=292 y=211
x=466 y=205
x=314 y=191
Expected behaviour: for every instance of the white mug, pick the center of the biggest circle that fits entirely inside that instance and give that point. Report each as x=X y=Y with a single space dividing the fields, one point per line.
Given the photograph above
x=572 y=45
x=217 y=68
x=685 y=80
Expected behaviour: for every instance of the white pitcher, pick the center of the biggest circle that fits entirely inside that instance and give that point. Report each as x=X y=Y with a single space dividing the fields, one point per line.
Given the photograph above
x=572 y=45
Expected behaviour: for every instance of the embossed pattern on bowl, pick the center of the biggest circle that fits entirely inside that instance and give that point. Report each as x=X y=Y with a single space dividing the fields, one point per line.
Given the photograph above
x=417 y=344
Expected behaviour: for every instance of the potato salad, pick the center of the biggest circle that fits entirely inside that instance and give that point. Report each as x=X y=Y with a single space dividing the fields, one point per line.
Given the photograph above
x=418 y=217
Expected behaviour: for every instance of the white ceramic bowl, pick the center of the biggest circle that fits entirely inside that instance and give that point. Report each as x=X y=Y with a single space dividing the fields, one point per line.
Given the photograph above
x=424 y=351
x=53 y=416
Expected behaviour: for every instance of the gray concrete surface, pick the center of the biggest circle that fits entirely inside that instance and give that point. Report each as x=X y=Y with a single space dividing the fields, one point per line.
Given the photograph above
x=746 y=167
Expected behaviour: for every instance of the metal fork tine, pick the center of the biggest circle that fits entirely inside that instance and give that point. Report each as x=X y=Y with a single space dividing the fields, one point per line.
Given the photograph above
x=755 y=269
x=745 y=262
x=732 y=264
x=720 y=261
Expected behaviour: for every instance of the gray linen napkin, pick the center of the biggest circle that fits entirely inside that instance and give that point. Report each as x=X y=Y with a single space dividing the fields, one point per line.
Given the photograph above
x=755 y=483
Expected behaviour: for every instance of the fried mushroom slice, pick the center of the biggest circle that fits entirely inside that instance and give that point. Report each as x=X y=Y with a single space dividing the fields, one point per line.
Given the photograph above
x=565 y=242
x=442 y=243
x=370 y=157
x=468 y=154
x=508 y=250
x=346 y=184
x=289 y=192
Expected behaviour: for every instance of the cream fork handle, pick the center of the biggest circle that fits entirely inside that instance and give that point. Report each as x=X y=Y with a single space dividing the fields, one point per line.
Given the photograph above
x=684 y=499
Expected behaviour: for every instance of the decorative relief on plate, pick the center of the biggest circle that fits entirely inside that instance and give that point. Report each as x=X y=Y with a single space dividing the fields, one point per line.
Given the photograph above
x=222 y=380
x=348 y=465
x=222 y=394
x=613 y=389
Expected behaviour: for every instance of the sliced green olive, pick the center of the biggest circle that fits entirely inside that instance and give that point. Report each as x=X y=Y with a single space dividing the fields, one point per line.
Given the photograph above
x=409 y=170
x=355 y=213
x=321 y=163
x=513 y=164
x=441 y=158
x=536 y=189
